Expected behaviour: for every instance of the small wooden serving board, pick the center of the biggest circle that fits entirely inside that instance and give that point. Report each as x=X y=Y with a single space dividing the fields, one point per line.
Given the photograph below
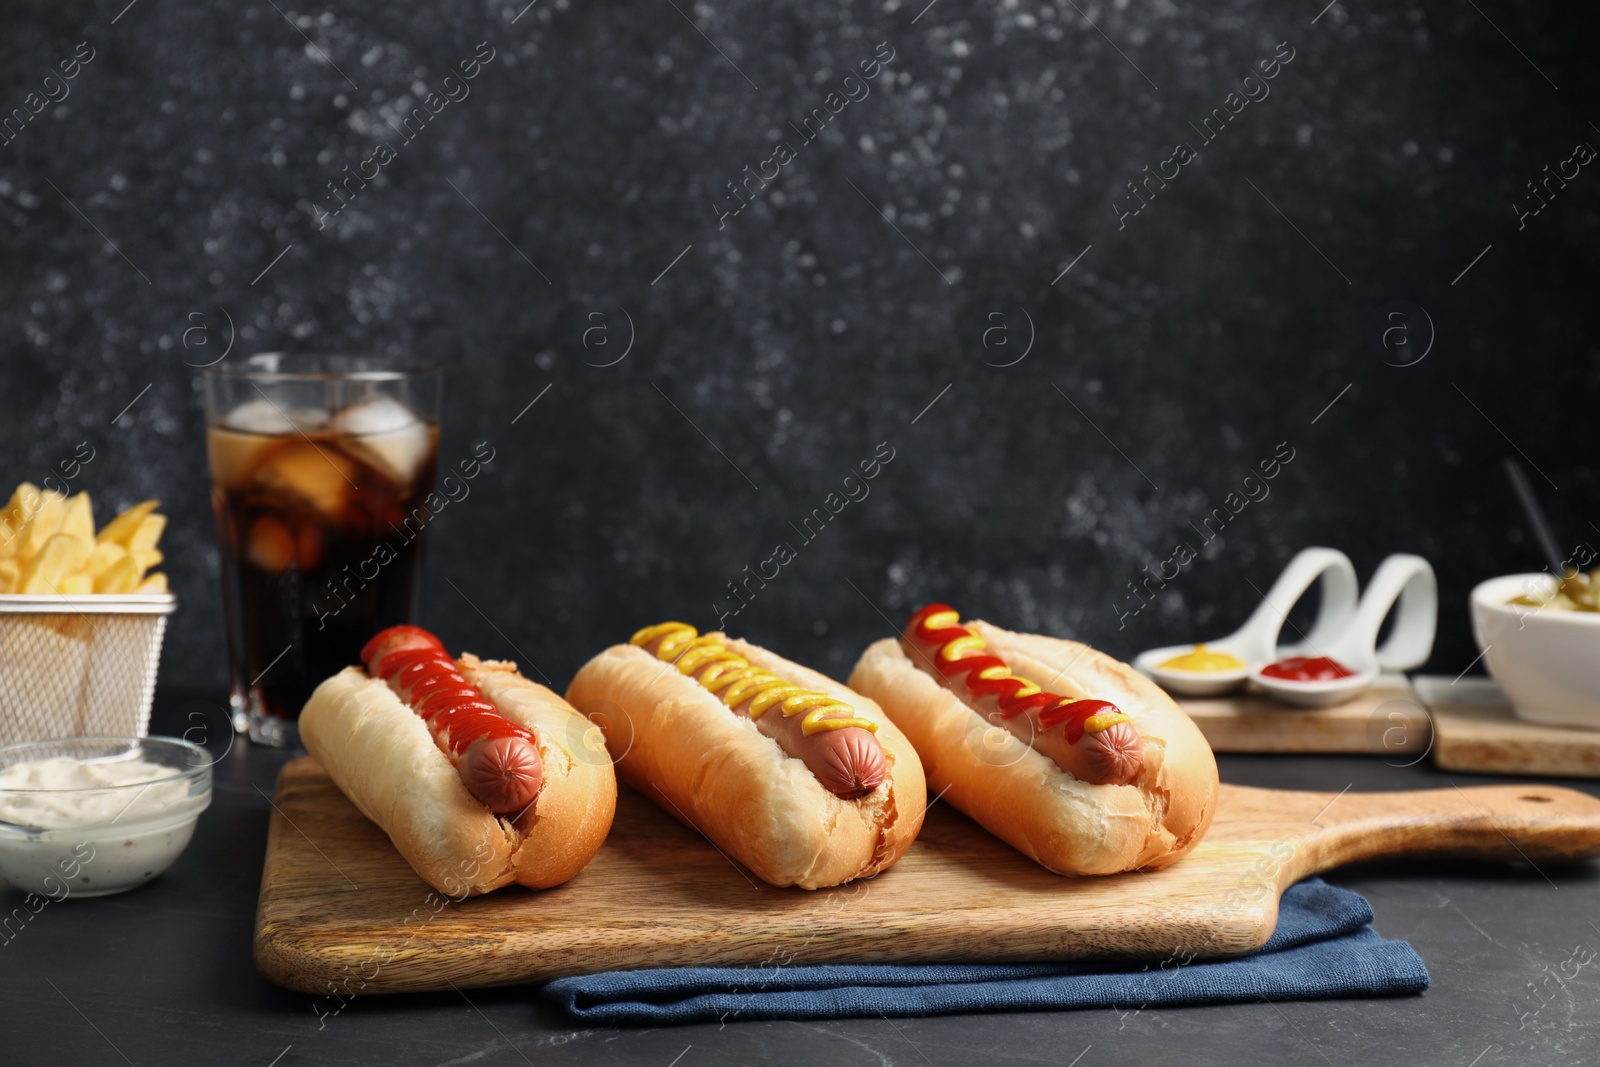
x=1463 y=724
x=1481 y=740
x=342 y=913
x=1475 y=730
x=1385 y=720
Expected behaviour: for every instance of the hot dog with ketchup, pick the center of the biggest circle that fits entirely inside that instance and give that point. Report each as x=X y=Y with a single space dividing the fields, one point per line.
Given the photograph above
x=1090 y=739
x=498 y=759
x=785 y=770
x=479 y=776
x=1073 y=758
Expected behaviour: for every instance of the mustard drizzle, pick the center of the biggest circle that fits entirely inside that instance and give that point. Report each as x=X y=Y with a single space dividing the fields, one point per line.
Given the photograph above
x=731 y=677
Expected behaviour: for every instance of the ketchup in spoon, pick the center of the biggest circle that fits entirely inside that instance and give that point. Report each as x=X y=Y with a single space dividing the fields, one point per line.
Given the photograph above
x=1307 y=669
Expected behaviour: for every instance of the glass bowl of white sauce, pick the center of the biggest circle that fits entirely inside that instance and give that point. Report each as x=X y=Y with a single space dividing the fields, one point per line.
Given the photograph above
x=91 y=816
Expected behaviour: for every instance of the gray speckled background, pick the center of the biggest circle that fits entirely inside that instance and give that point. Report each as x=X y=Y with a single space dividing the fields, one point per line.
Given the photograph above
x=1184 y=345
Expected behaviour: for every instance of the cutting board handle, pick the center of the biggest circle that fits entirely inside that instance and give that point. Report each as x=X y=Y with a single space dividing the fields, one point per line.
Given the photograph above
x=1532 y=823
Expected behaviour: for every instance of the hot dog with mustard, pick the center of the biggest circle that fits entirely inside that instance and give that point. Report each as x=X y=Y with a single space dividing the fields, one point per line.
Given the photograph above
x=792 y=774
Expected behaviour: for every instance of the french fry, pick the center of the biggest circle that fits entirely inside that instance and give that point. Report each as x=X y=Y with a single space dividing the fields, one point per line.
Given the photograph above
x=80 y=551
x=18 y=510
x=60 y=556
x=144 y=538
x=9 y=573
x=105 y=553
x=77 y=518
x=146 y=558
x=155 y=583
x=121 y=577
x=44 y=524
x=79 y=584
x=23 y=503
x=120 y=530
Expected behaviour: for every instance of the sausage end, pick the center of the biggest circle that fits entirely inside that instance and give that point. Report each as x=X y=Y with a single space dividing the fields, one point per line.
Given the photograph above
x=1114 y=755
x=503 y=773
x=852 y=763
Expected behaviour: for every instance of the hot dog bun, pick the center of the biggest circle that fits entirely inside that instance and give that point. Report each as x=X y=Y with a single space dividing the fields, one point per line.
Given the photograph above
x=383 y=756
x=1023 y=797
x=718 y=773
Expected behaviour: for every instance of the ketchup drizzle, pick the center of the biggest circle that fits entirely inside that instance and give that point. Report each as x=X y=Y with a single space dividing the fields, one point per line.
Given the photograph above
x=1054 y=710
x=437 y=690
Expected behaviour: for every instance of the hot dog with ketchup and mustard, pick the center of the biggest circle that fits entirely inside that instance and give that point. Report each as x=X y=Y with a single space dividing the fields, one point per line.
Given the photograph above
x=1072 y=757
x=479 y=776
x=792 y=774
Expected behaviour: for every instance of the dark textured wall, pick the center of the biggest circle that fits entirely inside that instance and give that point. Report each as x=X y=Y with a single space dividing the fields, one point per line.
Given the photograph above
x=574 y=201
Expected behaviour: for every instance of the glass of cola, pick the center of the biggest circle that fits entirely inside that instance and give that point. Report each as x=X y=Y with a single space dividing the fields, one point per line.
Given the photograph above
x=320 y=465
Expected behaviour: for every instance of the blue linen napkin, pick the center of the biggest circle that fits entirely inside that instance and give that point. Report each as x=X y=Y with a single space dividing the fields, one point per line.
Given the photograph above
x=1324 y=946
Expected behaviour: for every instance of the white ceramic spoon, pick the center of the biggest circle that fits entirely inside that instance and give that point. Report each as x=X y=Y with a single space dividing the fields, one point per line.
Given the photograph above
x=1407 y=579
x=1255 y=643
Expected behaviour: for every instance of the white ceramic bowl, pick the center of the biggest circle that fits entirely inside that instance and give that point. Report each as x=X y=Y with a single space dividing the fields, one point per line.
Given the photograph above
x=1545 y=660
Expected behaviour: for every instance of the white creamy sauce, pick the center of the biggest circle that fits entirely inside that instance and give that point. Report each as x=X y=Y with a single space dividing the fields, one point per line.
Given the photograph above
x=72 y=827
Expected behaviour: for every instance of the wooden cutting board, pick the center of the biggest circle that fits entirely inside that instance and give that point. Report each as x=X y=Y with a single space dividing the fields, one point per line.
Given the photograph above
x=342 y=913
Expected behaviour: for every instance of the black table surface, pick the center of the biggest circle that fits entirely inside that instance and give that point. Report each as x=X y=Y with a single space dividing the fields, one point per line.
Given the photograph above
x=163 y=974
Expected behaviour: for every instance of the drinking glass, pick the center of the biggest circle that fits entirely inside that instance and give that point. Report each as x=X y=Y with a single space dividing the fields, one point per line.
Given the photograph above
x=320 y=466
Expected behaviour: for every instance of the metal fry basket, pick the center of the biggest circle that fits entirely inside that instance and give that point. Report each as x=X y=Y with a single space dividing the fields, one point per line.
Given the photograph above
x=79 y=666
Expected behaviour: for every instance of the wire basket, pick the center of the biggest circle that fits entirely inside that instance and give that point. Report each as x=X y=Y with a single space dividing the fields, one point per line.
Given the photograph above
x=79 y=666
